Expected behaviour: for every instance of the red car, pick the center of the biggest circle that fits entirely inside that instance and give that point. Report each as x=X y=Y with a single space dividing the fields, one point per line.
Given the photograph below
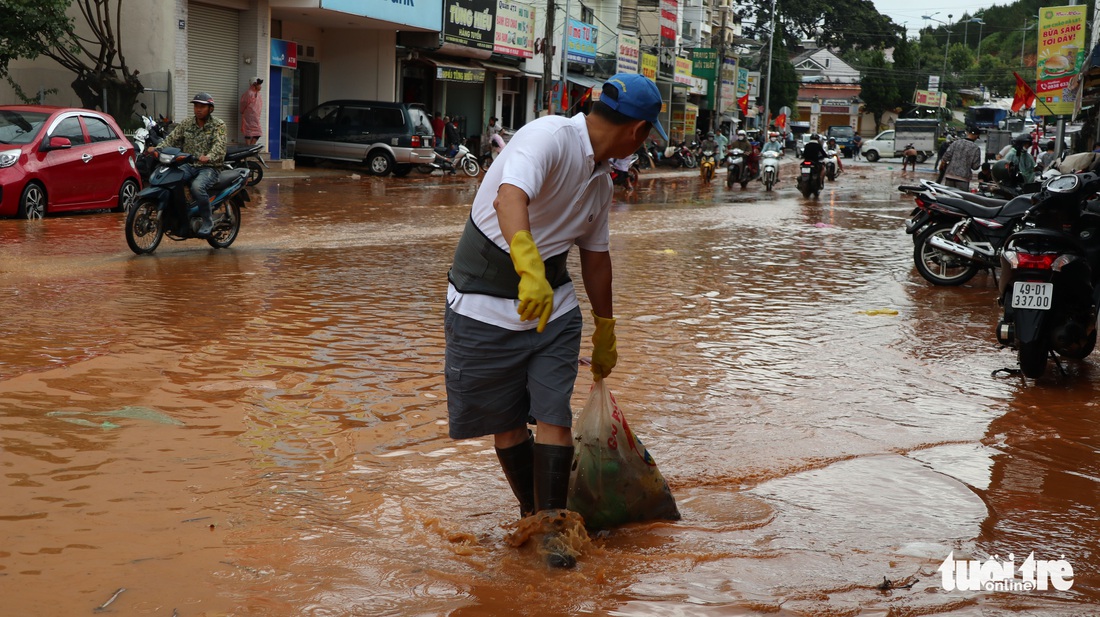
x=61 y=159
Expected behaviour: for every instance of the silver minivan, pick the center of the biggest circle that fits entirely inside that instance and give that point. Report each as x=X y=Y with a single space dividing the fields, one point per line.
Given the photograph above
x=388 y=137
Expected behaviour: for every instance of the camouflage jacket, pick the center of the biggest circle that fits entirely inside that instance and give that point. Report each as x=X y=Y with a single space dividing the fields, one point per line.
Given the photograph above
x=193 y=139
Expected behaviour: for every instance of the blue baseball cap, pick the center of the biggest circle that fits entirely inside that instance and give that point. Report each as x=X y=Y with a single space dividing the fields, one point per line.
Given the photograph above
x=635 y=96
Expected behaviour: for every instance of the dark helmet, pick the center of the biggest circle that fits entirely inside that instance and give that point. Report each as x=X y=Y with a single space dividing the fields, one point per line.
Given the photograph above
x=815 y=137
x=1002 y=171
x=203 y=98
x=1022 y=140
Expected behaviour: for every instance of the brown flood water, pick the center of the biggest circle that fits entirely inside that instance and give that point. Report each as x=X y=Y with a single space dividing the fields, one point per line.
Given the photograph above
x=261 y=430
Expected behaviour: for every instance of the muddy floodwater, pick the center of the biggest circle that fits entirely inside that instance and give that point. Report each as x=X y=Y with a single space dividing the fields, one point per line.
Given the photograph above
x=262 y=430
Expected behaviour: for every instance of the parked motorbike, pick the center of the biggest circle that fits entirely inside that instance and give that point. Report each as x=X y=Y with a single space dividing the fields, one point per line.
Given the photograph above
x=149 y=135
x=832 y=169
x=624 y=172
x=247 y=157
x=958 y=234
x=707 y=165
x=1049 y=290
x=164 y=208
x=463 y=159
x=678 y=156
x=769 y=168
x=643 y=158
x=811 y=179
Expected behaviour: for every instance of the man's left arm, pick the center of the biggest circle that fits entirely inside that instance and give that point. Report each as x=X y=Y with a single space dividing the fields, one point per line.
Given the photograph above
x=596 y=272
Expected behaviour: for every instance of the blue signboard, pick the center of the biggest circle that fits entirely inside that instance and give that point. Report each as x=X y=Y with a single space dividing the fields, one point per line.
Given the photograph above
x=581 y=42
x=426 y=14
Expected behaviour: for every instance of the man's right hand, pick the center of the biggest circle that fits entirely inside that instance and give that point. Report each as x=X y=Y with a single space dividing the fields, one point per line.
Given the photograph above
x=536 y=297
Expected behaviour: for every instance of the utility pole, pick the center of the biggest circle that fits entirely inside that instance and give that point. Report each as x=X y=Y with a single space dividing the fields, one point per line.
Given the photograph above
x=548 y=58
x=721 y=66
x=565 y=56
x=768 y=82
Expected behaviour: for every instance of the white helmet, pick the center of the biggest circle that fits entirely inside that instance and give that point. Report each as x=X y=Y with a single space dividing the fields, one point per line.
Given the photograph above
x=741 y=133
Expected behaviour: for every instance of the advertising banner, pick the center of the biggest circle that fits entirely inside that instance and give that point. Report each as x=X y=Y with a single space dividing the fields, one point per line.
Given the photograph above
x=728 y=77
x=628 y=57
x=470 y=23
x=930 y=98
x=515 y=31
x=668 y=22
x=649 y=66
x=581 y=42
x=683 y=71
x=704 y=65
x=284 y=53
x=421 y=13
x=1061 y=54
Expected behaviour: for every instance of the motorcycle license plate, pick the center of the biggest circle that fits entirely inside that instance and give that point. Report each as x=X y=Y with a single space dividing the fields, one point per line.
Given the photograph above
x=1034 y=296
x=806 y=171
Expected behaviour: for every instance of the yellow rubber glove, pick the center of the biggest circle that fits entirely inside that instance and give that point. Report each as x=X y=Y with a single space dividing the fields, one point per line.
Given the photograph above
x=604 y=355
x=536 y=298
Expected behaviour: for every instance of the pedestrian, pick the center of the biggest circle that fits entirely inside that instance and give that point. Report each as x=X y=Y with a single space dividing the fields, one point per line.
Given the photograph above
x=962 y=159
x=513 y=322
x=451 y=131
x=251 y=107
x=1046 y=159
x=857 y=144
x=438 y=126
x=986 y=173
x=909 y=157
x=939 y=157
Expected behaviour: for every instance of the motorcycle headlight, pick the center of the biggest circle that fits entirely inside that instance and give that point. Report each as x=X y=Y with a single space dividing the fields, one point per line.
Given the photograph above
x=165 y=159
x=9 y=158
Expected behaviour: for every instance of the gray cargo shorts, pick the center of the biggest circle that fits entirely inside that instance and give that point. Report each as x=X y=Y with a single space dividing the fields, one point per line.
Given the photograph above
x=498 y=378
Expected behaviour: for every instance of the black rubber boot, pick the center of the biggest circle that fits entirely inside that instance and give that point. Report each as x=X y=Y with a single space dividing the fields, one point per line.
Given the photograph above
x=552 y=464
x=518 y=463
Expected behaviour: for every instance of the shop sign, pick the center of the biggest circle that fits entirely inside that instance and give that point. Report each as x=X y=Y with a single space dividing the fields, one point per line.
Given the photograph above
x=628 y=57
x=284 y=54
x=515 y=31
x=470 y=23
x=581 y=42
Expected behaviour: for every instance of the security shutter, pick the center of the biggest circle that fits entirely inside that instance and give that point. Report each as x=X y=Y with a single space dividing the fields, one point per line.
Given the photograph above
x=212 y=44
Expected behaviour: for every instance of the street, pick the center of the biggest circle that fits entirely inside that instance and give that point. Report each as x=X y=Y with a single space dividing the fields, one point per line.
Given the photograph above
x=262 y=430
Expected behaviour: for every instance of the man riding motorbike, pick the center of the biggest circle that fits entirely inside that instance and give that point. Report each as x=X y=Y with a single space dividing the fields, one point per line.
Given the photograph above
x=831 y=145
x=773 y=145
x=204 y=136
x=751 y=158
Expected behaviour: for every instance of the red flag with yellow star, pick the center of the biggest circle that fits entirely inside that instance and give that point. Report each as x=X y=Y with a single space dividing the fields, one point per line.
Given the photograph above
x=1024 y=97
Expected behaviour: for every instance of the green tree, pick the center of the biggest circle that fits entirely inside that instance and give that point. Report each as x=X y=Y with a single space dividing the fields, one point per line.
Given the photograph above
x=27 y=26
x=959 y=58
x=878 y=83
x=103 y=80
x=845 y=24
x=784 y=83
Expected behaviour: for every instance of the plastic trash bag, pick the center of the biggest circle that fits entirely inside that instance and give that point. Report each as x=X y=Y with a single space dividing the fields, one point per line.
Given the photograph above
x=614 y=480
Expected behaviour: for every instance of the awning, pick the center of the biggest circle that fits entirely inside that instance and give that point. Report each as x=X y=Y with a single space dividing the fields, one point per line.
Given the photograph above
x=454 y=70
x=586 y=82
x=503 y=69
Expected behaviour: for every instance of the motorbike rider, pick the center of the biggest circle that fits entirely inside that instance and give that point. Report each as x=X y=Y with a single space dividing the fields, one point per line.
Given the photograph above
x=204 y=136
x=709 y=143
x=831 y=145
x=751 y=159
x=814 y=152
x=1021 y=158
x=773 y=145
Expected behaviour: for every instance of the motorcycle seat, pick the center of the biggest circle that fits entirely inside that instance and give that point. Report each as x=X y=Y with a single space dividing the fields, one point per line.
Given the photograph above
x=1010 y=208
x=981 y=200
x=228 y=177
x=234 y=152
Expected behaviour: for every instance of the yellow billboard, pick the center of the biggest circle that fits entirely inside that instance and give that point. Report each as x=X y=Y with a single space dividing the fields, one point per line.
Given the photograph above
x=1061 y=54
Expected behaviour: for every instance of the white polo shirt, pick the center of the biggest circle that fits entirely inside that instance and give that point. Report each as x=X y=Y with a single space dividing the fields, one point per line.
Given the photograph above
x=551 y=160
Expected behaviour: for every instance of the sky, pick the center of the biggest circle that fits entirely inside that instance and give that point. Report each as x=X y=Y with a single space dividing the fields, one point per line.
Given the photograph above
x=908 y=13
